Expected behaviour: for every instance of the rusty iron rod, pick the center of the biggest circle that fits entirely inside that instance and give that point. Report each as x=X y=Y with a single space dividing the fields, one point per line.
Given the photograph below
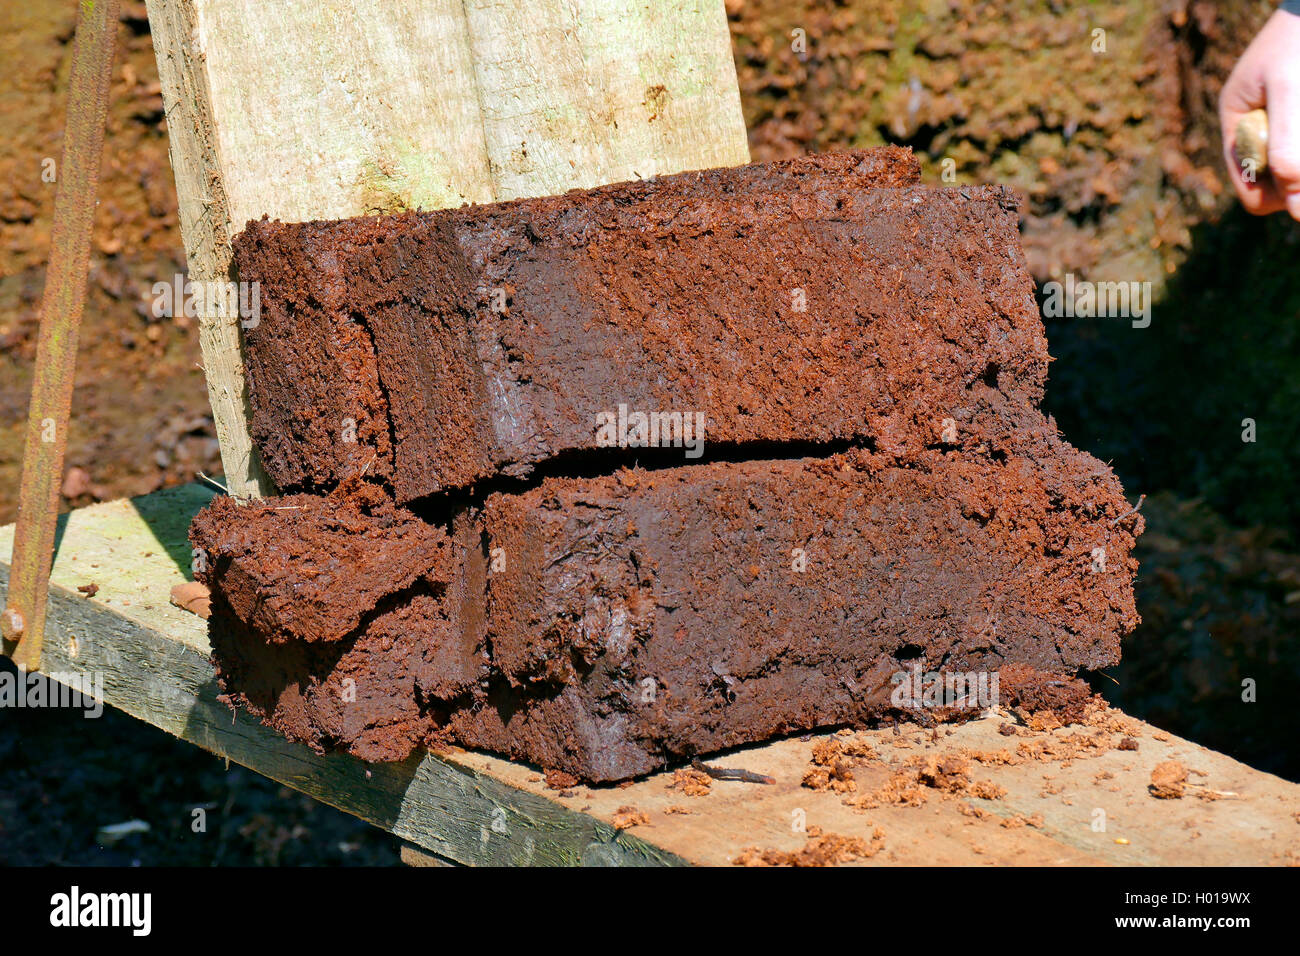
x=23 y=620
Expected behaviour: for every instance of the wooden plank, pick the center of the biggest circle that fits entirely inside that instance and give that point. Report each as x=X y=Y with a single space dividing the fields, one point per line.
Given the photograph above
x=151 y=660
x=303 y=109
x=577 y=93
x=475 y=808
x=204 y=213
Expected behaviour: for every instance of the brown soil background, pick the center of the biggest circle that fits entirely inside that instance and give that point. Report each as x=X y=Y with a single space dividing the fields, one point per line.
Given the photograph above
x=1117 y=153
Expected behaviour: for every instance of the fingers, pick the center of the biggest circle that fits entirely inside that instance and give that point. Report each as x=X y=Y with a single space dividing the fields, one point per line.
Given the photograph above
x=1284 y=141
x=1246 y=91
x=1256 y=188
x=1267 y=76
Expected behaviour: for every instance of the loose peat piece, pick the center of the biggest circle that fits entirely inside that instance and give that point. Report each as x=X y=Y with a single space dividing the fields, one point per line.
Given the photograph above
x=301 y=568
x=342 y=620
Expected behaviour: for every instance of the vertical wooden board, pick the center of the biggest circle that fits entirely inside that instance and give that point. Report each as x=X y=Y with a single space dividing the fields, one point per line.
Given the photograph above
x=302 y=109
x=206 y=230
x=577 y=93
x=330 y=110
x=322 y=109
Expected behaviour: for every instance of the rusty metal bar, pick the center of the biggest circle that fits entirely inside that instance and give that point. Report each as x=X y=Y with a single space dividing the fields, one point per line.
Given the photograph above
x=23 y=621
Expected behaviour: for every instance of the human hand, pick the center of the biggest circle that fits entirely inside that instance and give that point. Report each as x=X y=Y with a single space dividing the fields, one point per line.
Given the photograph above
x=1267 y=76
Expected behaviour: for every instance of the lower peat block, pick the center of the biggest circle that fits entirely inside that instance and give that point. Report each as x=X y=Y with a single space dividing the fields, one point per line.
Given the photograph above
x=608 y=626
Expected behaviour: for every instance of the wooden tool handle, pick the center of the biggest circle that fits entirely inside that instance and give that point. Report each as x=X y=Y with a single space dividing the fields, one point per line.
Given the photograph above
x=1252 y=139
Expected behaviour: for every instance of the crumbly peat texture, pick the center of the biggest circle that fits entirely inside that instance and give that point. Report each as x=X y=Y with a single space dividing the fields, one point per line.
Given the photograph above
x=647 y=616
x=302 y=568
x=342 y=620
x=813 y=301
x=878 y=493
x=653 y=616
x=364 y=695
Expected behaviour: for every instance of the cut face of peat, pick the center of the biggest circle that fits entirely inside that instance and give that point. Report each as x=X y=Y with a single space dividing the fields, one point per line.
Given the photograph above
x=777 y=304
x=458 y=398
x=652 y=616
x=642 y=617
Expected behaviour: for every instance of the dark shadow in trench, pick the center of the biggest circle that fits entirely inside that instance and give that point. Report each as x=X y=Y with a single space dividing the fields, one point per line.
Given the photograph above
x=1170 y=407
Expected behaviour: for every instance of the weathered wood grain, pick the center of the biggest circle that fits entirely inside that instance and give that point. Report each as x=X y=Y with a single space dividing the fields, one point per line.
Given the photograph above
x=206 y=229
x=577 y=93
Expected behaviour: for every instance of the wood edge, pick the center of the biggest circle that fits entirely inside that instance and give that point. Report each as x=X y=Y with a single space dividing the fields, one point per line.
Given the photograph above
x=207 y=232
x=432 y=802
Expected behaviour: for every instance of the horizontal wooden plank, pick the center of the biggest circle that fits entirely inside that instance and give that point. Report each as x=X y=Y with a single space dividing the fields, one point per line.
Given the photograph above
x=477 y=809
x=153 y=661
